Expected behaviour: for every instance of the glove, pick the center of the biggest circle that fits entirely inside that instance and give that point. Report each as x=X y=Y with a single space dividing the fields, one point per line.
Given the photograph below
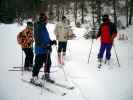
x=53 y=42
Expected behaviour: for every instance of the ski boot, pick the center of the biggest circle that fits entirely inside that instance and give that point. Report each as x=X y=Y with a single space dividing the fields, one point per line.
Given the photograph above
x=35 y=80
x=100 y=63
x=46 y=77
x=107 y=62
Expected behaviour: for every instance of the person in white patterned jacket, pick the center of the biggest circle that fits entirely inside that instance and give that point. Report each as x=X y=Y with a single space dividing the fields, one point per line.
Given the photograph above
x=63 y=32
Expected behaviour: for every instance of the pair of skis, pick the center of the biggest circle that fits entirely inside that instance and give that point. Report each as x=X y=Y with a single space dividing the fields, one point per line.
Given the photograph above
x=17 y=69
x=21 y=68
x=38 y=85
x=101 y=64
x=41 y=85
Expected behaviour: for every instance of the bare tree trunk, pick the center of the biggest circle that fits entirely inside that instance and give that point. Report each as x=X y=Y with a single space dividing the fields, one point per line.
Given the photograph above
x=130 y=16
x=75 y=10
x=131 y=12
x=82 y=10
x=93 y=12
x=115 y=16
x=99 y=11
x=62 y=11
x=93 y=21
x=57 y=11
x=44 y=6
x=127 y=18
x=51 y=14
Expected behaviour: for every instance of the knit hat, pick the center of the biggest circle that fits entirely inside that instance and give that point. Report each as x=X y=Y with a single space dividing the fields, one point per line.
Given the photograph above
x=105 y=18
x=43 y=17
x=30 y=24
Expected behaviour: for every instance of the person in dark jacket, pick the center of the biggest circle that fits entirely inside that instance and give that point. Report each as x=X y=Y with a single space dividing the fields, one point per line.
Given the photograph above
x=107 y=32
x=42 y=48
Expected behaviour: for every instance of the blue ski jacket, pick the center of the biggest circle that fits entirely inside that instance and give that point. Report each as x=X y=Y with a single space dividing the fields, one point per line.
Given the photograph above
x=42 y=39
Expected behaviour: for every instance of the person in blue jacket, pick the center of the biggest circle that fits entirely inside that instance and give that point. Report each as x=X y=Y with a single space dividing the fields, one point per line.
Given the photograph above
x=43 y=45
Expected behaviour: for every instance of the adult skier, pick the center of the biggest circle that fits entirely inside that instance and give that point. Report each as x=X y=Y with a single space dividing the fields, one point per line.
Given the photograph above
x=25 y=39
x=107 y=32
x=42 y=48
x=63 y=33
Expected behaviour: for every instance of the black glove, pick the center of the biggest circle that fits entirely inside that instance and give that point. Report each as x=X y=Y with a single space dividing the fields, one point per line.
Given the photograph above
x=53 y=42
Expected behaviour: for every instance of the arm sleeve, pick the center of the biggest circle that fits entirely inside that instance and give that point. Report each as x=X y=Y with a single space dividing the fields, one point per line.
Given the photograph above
x=56 y=31
x=18 y=39
x=99 y=32
x=114 y=31
x=35 y=31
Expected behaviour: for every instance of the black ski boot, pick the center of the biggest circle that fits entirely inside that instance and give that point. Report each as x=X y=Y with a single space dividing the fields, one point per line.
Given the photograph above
x=47 y=78
x=100 y=63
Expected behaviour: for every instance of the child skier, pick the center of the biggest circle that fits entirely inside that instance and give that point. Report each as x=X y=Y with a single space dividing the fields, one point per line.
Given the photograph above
x=25 y=39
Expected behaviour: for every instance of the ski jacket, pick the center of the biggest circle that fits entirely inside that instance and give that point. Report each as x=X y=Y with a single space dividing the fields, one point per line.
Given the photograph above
x=62 y=31
x=25 y=38
x=107 y=32
x=42 y=39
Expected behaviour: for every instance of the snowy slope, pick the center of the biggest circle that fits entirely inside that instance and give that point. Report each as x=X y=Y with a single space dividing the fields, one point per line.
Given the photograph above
x=111 y=83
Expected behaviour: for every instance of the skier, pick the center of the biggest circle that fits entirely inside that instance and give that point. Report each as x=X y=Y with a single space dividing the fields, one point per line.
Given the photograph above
x=42 y=48
x=19 y=20
x=25 y=39
x=107 y=32
x=63 y=33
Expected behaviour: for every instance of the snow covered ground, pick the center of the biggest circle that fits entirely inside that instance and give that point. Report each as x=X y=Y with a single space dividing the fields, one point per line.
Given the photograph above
x=111 y=83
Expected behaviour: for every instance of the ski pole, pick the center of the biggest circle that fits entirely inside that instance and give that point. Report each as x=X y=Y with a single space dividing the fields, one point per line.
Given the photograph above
x=90 y=51
x=116 y=55
x=57 y=52
x=22 y=64
x=45 y=67
x=65 y=75
x=68 y=45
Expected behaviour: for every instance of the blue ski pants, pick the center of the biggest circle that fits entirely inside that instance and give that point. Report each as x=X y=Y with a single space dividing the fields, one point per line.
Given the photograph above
x=105 y=47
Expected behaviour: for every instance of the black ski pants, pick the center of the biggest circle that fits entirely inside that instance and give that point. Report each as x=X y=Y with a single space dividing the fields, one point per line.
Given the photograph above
x=28 y=57
x=41 y=59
